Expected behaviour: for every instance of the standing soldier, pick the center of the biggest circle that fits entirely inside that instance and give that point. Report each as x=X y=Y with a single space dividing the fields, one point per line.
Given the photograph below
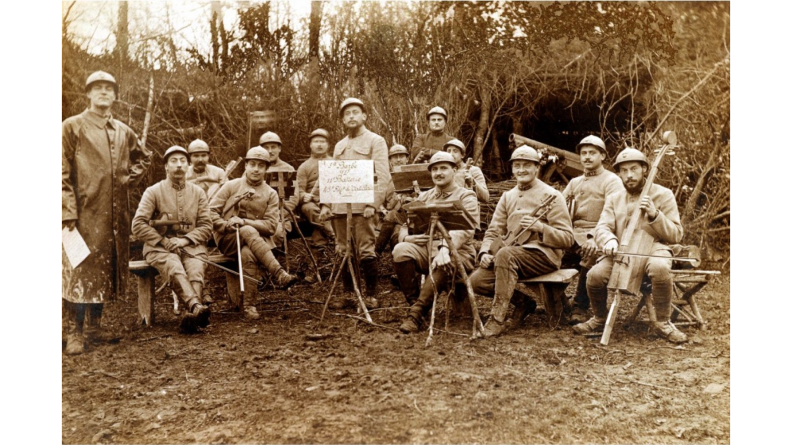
x=540 y=254
x=201 y=173
x=471 y=178
x=360 y=144
x=249 y=205
x=176 y=250
x=101 y=158
x=661 y=221
x=307 y=177
x=272 y=143
x=426 y=145
x=585 y=196
x=411 y=256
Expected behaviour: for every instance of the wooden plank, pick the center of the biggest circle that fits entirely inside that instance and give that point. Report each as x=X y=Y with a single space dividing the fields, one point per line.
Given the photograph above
x=557 y=276
x=145 y=282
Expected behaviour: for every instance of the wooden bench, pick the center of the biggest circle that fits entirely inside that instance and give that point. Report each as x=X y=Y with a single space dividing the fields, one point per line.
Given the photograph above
x=550 y=288
x=145 y=275
x=687 y=282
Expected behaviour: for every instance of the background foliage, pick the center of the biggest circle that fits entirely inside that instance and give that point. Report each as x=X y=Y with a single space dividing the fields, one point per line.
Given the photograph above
x=553 y=72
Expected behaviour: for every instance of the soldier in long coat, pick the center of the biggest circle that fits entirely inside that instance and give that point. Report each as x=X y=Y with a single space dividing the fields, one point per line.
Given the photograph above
x=101 y=159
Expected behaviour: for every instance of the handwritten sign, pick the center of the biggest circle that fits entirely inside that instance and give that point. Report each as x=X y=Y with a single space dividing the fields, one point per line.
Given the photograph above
x=346 y=182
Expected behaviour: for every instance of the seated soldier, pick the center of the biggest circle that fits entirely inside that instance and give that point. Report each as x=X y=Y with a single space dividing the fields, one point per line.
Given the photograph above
x=272 y=143
x=307 y=178
x=471 y=177
x=661 y=221
x=175 y=251
x=395 y=216
x=585 y=196
x=411 y=257
x=201 y=172
x=249 y=205
x=540 y=254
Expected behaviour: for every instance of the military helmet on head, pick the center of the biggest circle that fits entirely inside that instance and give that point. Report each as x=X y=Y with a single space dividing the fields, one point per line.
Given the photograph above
x=592 y=140
x=173 y=150
x=525 y=153
x=101 y=76
x=398 y=149
x=259 y=154
x=270 y=137
x=630 y=154
x=439 y=157
x=437 y=110
x=455 y=143
x=198 y=146
x=351 y=101
x=320 y=132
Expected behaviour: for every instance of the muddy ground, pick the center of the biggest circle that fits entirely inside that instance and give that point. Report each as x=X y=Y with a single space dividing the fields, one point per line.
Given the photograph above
x=287 y=379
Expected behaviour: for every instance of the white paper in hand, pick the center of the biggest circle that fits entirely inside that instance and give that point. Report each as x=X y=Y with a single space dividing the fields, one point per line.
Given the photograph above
x=75 y=247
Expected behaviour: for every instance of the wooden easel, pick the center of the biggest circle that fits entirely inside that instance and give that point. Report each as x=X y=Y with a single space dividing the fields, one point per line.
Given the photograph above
x=455 y=216
x=347 y=261
x=285 y=184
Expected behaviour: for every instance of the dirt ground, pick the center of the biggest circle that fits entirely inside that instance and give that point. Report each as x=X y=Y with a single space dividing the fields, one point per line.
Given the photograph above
x=285 y=378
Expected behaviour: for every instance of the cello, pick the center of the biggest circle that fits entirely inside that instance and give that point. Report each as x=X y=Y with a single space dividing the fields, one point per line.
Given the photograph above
x=628 y=268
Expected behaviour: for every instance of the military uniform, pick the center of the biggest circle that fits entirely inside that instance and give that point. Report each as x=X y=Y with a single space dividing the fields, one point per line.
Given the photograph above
x=307 y=178
x=431 y=143
x=211 y=178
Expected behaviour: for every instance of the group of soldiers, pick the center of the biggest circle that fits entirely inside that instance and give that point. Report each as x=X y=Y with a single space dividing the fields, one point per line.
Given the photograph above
x=245 y=216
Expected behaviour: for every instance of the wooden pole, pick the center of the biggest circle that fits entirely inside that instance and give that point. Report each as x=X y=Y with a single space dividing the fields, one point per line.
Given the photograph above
x=239 y=256
x=350 y=264
x=307 y=247
x=606 y=333
x=432 y=224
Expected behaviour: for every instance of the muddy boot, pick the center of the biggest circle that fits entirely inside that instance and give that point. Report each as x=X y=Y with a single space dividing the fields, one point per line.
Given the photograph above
x=75 y=341
x=405 y=271
x=661 y=294
x=196 y=315
x=580 y=303
x=668 y=331
x=285 y=280
x=93 y=330
x=369 y=267
x=523 y=305
x=599 y=304
x=251 y=313
x=198 y=287
x=343 y=301
x=410 y=325
x=460 y=304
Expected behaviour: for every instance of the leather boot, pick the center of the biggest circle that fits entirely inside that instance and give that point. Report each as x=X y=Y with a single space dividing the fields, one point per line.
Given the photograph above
x=523 y=305
x=198 y=287
x=75 y=341
x=343 y=301
x=460 y=304
x=405 y=271
x=93 y=330
x=370 y=270
x=196 y=315
x=505 y=281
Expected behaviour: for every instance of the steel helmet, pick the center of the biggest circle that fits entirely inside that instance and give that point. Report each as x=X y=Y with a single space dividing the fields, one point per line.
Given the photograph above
x=439 y=157
x=398 y=149
x=455 y=143
x=101 y=76
x=198 y=146
x=525 y=153
x=258 y=154
x=591 y=140
x=630 y=154
x=270 y=137
x=173 y=150
x=351 y=101
x=437 y=110
x=320 y=132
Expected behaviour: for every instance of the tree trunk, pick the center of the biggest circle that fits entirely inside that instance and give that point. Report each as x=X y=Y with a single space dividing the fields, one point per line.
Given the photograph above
x=690 y=207
x=314 y=27
x=122 y=40
x=481 y=128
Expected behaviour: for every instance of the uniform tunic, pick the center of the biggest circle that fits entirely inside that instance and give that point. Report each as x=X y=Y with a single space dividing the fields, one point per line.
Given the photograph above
x=589 y=192
x=482 y=192
x=185 y=203
x=428 y=141
x=101 y=158
x=211 y=178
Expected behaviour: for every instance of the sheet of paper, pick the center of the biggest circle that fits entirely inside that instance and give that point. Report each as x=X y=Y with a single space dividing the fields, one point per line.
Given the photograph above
x=75 y=247
x=342 y=182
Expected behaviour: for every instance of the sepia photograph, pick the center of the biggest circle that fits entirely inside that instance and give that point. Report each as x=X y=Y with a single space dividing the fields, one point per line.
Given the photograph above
x=351 y=221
